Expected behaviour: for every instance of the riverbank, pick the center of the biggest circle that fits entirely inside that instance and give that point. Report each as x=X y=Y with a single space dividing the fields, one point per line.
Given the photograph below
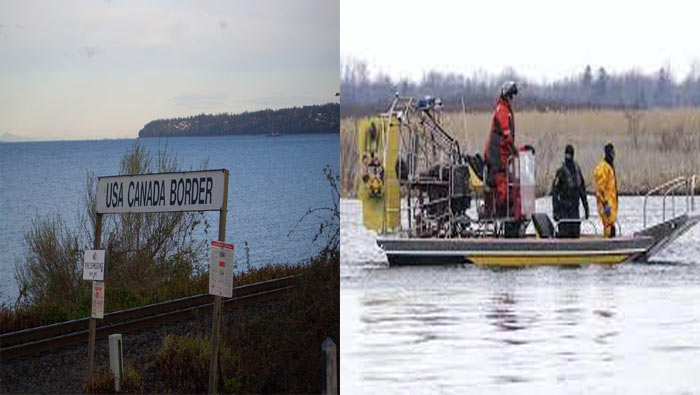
x=653 y=146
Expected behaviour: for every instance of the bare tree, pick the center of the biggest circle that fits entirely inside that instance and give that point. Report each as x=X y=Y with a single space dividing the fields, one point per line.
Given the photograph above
x=634 y=117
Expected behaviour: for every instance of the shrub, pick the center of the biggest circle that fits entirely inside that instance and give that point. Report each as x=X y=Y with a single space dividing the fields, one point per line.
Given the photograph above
x=52 y=268
x=183 y=364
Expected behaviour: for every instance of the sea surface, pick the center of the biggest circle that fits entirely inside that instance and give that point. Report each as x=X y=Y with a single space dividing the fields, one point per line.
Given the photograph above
x=273 y=182
x=630 y=328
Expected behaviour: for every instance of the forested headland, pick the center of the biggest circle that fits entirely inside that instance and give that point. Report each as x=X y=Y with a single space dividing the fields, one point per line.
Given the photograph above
x=314 y=119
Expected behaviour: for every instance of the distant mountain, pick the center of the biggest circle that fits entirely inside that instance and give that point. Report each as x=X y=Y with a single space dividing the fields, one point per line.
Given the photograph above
x=11 y=138
x=297 y=120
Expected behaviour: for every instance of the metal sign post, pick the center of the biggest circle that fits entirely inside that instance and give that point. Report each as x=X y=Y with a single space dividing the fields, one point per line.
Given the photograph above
x=216 y=321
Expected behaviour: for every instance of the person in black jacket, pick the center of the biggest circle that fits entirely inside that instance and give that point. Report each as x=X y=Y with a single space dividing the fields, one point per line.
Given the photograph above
x=568 y=188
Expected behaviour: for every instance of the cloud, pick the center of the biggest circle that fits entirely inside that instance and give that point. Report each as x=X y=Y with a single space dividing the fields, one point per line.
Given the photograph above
x=9 y=28
x=159 y=59
x=89 y=51
x=200 y=102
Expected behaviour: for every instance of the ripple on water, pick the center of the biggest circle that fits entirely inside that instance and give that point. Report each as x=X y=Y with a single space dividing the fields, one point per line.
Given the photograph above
x=466 y=329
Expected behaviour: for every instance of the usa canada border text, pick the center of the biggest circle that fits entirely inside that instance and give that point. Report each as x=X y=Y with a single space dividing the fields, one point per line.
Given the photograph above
x=161 y=192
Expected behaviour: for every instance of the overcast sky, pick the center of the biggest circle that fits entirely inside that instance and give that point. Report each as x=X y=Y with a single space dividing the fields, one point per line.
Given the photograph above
x=542 y=39
x=103 y=69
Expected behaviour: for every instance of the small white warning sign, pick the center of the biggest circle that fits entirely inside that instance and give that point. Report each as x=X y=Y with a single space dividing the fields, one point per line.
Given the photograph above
x=221 y=265
x=94 y=265
x=98 y=299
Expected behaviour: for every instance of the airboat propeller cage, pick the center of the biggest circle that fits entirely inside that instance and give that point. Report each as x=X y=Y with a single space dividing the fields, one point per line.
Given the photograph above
x=406 y=148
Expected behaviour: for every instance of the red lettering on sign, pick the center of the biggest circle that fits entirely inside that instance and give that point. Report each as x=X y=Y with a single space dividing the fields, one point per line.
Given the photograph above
x=221 y=245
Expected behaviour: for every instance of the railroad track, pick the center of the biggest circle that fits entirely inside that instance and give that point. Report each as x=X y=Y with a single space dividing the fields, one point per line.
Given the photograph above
x=45 y=338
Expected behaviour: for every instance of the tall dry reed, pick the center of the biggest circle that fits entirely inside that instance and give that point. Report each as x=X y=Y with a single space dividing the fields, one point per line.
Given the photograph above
x=661 y=145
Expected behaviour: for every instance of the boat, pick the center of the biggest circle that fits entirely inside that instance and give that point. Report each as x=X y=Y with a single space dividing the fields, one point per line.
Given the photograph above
x=447 y=216
x=274 y=134
x=533 y=250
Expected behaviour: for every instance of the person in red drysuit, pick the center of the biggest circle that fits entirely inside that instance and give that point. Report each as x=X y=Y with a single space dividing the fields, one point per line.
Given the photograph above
x=499 y=147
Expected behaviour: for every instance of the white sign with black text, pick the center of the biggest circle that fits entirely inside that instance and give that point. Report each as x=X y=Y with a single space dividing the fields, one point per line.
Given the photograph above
x=94 y=265
x=161 y=192
x=98 y=299
x=221 y=265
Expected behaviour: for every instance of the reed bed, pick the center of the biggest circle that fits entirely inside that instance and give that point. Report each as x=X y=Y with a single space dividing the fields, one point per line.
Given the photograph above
x=652 y=146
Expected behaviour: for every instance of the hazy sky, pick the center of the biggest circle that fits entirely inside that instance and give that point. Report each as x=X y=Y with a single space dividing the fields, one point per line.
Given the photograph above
x=95 y=69
x=543 y=39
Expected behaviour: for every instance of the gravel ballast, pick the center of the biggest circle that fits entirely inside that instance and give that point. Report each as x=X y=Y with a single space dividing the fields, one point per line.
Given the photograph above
x=65 y=370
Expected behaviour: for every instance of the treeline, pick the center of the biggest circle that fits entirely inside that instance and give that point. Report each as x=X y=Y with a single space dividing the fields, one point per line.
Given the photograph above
x=593 y=88
x=297 y=120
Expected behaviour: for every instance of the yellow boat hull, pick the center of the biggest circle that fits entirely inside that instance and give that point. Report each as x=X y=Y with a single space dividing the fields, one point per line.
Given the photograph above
x=514 y=252
x=559 y=260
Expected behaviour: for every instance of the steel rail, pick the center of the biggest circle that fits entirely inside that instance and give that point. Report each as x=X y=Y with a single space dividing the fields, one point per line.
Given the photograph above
x=45 y=338
x=26 y=335
x=667 y=184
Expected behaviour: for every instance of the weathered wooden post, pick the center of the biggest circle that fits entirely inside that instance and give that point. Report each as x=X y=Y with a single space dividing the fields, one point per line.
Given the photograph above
x=91 y=339
x=216 y=322
x=330 y=367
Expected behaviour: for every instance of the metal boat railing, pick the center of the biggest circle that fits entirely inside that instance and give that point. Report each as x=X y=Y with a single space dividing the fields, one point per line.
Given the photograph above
x=692 y=186
x=670 y=188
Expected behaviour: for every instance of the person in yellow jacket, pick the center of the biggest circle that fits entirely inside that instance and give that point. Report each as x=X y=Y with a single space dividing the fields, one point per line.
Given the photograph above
x=606 y=191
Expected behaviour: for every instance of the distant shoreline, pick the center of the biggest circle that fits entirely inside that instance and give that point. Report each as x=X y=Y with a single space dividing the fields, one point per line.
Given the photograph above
x=249 y=135
x=166 y=137
x=314 y=119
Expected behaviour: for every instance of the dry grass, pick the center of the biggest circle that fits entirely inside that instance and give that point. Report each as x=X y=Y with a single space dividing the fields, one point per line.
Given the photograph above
x=103 y=382
x=665 y=145
x=348 y=156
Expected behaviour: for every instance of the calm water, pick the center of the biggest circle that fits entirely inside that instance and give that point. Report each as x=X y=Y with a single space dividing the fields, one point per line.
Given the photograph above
x=273 y=182
x=464 y=329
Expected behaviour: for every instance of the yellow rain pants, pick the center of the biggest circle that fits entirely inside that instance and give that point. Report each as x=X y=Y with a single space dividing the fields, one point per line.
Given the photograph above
x=606 y=191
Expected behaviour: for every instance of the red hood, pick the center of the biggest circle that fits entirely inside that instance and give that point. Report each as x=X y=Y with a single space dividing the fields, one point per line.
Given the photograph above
x=503 y=102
